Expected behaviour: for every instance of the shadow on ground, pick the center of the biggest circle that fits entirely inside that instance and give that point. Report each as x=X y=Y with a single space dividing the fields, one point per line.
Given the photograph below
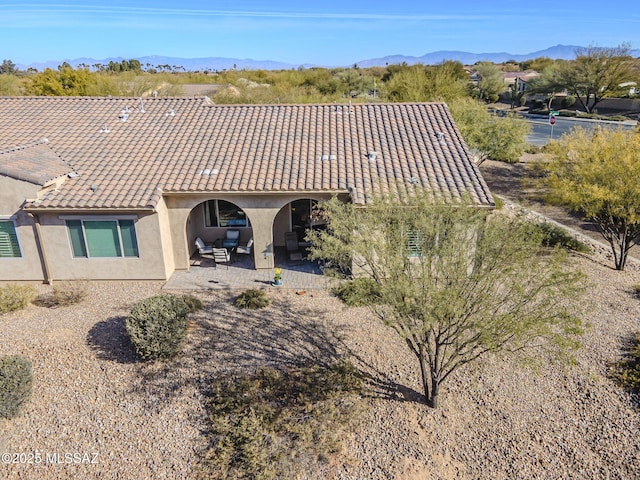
x=223 y=340
x=110 y=341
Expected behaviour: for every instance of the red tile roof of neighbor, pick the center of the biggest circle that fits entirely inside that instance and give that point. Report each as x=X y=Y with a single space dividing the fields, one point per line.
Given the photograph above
x=127 y=152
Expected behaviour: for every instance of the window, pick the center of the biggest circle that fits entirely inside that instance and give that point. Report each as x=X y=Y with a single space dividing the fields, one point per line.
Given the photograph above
x=414 y=243
x=220 y=213
x=103 y=238
x=9 y=246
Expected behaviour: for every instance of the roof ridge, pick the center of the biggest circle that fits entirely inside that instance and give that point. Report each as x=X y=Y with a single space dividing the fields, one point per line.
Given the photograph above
x=17 y=148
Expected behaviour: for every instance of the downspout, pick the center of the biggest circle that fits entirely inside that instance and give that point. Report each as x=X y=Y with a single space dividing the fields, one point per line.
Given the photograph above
x=41 y=250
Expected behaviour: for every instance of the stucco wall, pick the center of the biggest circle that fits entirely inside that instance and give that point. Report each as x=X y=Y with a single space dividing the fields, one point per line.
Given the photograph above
x=150 y=265
x=13 y=194
x=261 y=209
x=165 y=238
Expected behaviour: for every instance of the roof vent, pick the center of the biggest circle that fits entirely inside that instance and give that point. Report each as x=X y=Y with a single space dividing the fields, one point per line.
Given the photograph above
x=414 y=180
x=73 y=174
x=105 y=129
x=440 y=136
x=154 y=94
x=209 y=171
x=141 y=108
x=372 y=156
x=94 y=188
x=171 y=113
x=327 y=157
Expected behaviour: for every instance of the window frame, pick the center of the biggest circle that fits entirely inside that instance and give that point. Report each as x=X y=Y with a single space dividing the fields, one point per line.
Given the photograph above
x=120 y=247
x=207 y=211
x=12 y=220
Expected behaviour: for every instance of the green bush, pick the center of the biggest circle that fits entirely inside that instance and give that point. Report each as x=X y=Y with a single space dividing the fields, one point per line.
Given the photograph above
x=193 y=303
x=157 y=326
x=568 y=101
x=554 y=235
x=358 y=292
x=16 y=383
x=533 y=149
x=253 y=298
x=16 y=297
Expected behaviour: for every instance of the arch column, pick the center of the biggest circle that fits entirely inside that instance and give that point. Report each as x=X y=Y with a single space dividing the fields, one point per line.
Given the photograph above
x=262 y=224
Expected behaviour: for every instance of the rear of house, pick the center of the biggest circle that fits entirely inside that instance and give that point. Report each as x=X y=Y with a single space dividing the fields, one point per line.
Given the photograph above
x=120 y=188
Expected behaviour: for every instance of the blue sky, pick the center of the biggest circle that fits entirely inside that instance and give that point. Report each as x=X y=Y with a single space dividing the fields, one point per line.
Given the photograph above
x=329 y=33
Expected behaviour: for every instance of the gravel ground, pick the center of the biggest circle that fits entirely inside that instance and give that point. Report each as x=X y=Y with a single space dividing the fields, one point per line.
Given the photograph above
x=497 y=420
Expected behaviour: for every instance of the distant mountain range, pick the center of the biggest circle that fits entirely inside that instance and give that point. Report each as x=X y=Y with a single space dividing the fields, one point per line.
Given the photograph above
x=566 y=52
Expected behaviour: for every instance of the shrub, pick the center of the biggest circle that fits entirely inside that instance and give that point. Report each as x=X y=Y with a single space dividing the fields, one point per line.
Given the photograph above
x=358 y=292
x=554 y=235
x=568 y=101
x=533 y=149
x=158 y=326
x=16 y=383
x=193 y=303
x=16 y=297
x=280 y=423
x=253 y=298
x=63 y=295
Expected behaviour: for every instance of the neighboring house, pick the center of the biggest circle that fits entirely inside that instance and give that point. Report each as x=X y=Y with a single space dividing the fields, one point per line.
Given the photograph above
x=119 y=188
x=521 y=78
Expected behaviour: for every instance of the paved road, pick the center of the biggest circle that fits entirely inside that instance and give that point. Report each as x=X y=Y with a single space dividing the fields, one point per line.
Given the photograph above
x=541 y=131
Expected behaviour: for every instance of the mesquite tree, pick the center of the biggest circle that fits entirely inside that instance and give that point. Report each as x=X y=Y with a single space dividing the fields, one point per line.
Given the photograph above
x=596 y=174
x=455 y=282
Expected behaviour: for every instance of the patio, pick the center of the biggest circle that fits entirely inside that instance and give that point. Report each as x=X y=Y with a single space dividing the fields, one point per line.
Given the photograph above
x=204 y=274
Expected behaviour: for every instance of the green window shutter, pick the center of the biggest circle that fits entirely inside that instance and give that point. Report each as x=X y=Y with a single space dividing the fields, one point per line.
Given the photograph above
x=9 y=246
x=414 y=243
x=77 y=238
x=102 y=238
x=129 y=240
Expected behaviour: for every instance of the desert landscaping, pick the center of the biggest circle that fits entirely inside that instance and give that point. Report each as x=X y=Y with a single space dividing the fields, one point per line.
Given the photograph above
x=499 y=419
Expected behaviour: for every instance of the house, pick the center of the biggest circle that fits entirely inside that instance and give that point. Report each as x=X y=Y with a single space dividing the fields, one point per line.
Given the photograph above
x=119 y=188
x=520 y=79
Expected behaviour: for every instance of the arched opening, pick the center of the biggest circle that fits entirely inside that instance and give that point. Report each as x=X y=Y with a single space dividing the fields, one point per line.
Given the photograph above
x=218 y=223
x=290 y=228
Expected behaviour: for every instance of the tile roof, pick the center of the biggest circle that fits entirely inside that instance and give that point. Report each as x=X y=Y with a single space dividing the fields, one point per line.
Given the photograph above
x=128 y=152
x=35 y=163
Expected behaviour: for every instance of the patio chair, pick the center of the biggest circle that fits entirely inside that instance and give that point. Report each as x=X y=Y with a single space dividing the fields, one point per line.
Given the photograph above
x=245 y=249
x=293 y=249
x=232 y=238
x=203 y=248
x=221 y=255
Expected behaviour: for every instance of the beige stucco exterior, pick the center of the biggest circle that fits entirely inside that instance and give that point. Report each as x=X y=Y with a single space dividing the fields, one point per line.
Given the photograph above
x=13 y=194
x=165 y=235
x=149 y=265
x=267 y=213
